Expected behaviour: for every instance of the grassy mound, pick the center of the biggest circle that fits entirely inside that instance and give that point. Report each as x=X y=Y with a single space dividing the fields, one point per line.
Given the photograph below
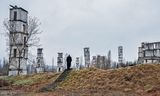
x=138 y=79
x=141 y=79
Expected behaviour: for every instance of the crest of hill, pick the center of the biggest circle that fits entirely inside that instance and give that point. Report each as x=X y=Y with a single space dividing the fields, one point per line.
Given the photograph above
x=138 y=79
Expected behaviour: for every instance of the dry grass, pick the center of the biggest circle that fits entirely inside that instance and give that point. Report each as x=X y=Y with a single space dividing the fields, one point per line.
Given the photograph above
x=31 y=82
x=138 y=79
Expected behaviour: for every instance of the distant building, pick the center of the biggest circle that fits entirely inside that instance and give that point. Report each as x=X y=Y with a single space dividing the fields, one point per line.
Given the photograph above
x=149 y=53
x=100 y=62
x=40 y=67
x=60 y=62
x=109 y=61
x=77 y=63
x=87 y=57
x=17 y=40
x=65 y=61
x=94 y=61
x=81 y=61
x=120 y=55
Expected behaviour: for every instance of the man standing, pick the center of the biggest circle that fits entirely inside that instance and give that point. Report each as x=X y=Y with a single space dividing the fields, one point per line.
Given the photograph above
x=69 y=60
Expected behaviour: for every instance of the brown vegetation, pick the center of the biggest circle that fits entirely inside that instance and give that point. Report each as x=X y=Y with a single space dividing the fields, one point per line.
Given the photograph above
x=140 y=79
x=4 y=83
x=31 y=83
x=143 y=80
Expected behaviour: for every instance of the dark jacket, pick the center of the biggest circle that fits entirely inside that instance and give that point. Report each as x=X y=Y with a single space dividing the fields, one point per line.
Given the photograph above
x=69 y=59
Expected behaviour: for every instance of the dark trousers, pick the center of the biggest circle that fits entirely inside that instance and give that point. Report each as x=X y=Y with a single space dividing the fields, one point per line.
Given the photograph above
x=68 y=66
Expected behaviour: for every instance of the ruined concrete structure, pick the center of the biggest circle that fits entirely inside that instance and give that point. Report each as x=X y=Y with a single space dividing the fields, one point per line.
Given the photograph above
x=17 y=41
x=101 y=62
x=40 y=66
x=77 y=63
x=60 y=62
x=109 y=58
x=149 y=53
x=120 y=55
x=94 y=61
x=87 y=57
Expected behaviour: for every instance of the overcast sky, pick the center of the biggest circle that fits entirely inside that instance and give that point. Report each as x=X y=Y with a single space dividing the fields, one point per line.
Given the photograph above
x=70 y=25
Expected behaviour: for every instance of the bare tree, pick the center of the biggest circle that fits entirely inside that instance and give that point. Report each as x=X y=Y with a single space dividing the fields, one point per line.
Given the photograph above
x=31 y=40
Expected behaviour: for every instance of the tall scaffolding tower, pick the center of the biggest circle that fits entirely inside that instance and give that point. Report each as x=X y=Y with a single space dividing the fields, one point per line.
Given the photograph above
x=87 y=57
x=120 y=55
x=60 y=62
x=40 y=67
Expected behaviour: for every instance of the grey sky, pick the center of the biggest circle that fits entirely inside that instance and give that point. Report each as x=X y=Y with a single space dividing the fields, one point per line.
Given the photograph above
x=102 y=25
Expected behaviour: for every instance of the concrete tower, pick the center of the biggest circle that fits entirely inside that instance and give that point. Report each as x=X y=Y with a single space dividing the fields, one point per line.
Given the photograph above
x=17 y=40
x=60 y=62
x=120 y=55
x=87 y=57
x=77 y=63
x=94 y=61
x=40 y=61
